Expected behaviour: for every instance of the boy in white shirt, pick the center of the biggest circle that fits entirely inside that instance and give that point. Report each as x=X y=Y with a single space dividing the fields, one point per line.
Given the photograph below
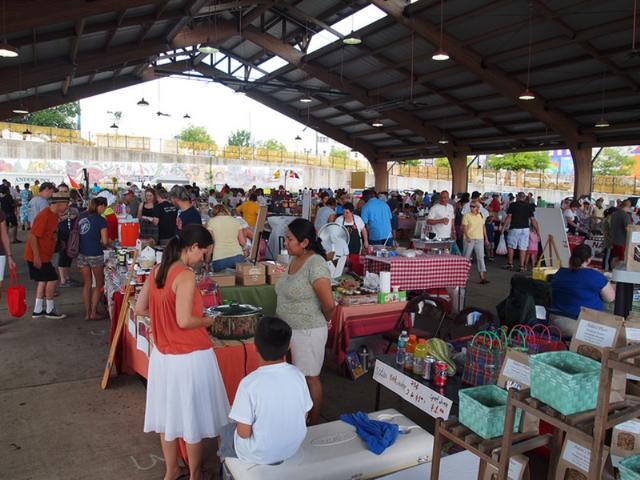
x=271 y=404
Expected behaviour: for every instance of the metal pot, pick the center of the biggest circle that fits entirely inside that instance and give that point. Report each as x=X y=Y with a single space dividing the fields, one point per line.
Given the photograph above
x=234 y=321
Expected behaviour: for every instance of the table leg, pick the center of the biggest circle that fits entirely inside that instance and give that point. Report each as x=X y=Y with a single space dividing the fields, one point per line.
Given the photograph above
x=624 y=298
x=378 y=390
x=437 y=451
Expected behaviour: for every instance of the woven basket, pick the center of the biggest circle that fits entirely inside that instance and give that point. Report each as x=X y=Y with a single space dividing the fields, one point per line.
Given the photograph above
x=483 y=409
x=630 y=468
x=566 y=381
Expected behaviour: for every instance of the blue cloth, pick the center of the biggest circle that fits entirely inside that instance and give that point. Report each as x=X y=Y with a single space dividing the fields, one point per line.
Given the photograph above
x=89 y=227
x=376 y=215
x=571 y=290
x=376 y=434
x=339 y=209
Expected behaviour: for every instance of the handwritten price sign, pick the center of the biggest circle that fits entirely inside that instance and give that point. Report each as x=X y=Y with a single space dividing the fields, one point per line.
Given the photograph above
x=412 y=391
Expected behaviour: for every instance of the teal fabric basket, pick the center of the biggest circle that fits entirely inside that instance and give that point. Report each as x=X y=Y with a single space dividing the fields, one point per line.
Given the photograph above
x=566 y=381
x=630 y=468
x=483 y=409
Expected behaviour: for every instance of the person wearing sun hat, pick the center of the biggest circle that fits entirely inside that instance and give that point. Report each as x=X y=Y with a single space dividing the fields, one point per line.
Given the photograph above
x=41 y=245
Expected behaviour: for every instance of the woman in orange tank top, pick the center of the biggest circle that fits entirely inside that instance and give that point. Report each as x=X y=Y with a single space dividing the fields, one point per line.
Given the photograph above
x=185 y=392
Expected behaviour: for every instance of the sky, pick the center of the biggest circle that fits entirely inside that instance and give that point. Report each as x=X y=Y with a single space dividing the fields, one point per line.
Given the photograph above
x=209 y=104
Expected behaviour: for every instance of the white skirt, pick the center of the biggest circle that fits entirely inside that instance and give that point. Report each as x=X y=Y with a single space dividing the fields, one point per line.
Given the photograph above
x=186 y=397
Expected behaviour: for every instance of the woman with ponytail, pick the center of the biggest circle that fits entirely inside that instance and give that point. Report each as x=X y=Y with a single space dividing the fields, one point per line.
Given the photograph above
x=185 y=393
x=576 y=287
x=305 y=302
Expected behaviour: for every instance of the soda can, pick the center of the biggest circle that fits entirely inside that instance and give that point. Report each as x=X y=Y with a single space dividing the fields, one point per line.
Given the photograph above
x=429 y=363
x=440 y=373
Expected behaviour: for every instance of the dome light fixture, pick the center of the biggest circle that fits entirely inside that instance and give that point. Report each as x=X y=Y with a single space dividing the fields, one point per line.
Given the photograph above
x=298 y=138
x=352 y=39
x=113 y=126
x=21 y=110
x=527 y=95
x=443 y=141
x=142 y=103
x=186 y=116
x=377 y=123
x=440 y=54
x=306 y=99
x=7 y=51
x=207 y=49
x=27 y=132
x=602 y=123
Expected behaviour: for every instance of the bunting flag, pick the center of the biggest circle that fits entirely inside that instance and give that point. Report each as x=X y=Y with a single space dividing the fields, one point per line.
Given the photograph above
x=73 y=183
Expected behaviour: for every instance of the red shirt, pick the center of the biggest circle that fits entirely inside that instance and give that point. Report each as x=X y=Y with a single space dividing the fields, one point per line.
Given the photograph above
x=45 y=229
x=169 y=337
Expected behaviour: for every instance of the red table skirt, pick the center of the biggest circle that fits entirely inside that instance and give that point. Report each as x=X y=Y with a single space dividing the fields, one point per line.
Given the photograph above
x=360 y=320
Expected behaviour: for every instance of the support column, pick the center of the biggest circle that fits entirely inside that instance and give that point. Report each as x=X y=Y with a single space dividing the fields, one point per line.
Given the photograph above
x=582 y=171
x=381 y=175
x=459 y=173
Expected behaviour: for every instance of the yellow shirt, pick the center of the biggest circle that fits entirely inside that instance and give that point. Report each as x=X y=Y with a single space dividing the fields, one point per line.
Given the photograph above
x=224 y=230
x=35 y=190
x=249 y=211
x=475 y=226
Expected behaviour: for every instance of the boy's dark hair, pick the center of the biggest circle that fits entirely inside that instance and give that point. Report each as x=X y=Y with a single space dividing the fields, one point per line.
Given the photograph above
x=272 y=338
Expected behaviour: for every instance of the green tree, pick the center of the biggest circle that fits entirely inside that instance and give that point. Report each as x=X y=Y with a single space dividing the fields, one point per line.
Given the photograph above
x=612 y=161
x=240 y=138
x=339 y=153
x=413 y=163
x=62 y=116
x=442 y=163
x=520 y=161
x=273 y=145
x=196 y=134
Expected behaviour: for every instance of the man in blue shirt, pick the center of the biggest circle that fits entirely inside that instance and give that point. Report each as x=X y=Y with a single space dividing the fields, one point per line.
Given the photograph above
x=376 y=215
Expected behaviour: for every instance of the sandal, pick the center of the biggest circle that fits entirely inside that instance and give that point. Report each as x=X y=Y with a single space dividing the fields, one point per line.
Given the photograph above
x=508 y=266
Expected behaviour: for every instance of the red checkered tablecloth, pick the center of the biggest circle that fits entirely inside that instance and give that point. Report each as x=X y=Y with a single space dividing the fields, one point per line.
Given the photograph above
x=423 y=272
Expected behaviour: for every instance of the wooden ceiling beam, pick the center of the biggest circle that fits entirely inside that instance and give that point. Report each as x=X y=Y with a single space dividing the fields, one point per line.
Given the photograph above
x=27 y=15
x=56 y=69
x=503 y=83
x=298 y=115
x=295 y=57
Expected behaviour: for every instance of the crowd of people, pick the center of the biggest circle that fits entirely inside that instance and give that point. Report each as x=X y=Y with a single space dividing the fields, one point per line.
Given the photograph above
x=216 y=228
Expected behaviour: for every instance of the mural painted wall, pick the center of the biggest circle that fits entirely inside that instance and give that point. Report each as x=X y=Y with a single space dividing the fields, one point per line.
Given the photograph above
x=28 y=170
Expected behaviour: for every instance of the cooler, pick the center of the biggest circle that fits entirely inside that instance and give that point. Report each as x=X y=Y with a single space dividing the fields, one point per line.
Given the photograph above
x=128 y=232
x=333 y=451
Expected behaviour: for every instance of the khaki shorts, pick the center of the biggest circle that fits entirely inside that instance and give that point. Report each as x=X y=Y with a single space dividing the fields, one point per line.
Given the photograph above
x=307 y=350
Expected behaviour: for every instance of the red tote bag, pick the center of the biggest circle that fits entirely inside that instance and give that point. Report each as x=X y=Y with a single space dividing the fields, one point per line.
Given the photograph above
x=16 y=296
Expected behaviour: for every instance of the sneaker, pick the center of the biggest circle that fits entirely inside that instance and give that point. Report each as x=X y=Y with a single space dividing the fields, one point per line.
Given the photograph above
x=37 y=314
x=66 y=284
x=55 y=315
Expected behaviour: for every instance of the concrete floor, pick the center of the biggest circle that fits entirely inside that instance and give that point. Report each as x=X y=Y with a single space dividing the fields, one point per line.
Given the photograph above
x=56 y=422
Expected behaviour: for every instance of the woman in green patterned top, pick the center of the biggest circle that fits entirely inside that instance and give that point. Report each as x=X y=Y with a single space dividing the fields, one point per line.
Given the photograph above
x=305 y=302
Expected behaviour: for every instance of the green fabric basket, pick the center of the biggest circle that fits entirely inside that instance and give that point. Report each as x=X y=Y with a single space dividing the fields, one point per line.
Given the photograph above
x=566 y=381
x=630 y=468
x=483 y=409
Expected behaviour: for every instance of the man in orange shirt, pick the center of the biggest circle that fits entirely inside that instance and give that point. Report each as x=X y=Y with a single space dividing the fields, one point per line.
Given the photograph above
x=41 y=245
x=249 y=210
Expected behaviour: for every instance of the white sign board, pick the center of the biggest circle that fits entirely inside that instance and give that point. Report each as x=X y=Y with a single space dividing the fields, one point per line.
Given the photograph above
x=412 y=391
x=550 y=222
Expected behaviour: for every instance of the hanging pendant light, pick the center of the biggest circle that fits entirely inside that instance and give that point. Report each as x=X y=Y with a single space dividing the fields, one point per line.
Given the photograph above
x=21 y=110
x=527 y=94
x=602 y=123
x=6 y=50
x=142 y=103
x=186 y=116
x=306 y=99
x=443 y=141
x=377 y=123
x=298 y=137
x=207 y=49
x=440 y=54
x=353 y=38
x=27 y=131
x=113 y=126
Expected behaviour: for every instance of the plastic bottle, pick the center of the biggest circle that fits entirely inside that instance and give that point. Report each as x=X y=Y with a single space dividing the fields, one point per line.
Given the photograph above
x=402 y=344
x=419 y=356
x=408 y=353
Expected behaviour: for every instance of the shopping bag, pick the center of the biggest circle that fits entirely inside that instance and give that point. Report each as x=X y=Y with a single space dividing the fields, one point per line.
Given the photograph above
x=484 y=358
x=16 y=296
x=502 y=246
x=539 y=339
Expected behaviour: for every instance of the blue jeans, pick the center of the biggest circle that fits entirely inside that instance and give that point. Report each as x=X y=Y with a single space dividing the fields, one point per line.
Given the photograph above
x=385 y=242
x=229 y=262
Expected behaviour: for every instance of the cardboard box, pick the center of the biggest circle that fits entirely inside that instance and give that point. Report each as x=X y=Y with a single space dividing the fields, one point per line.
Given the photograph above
x=392 y=297
x=274 y=267
x=625 y=440
x=249 y=269
x=632 y=252
x=273 y=278
x=251 y=280
x=225 y=279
